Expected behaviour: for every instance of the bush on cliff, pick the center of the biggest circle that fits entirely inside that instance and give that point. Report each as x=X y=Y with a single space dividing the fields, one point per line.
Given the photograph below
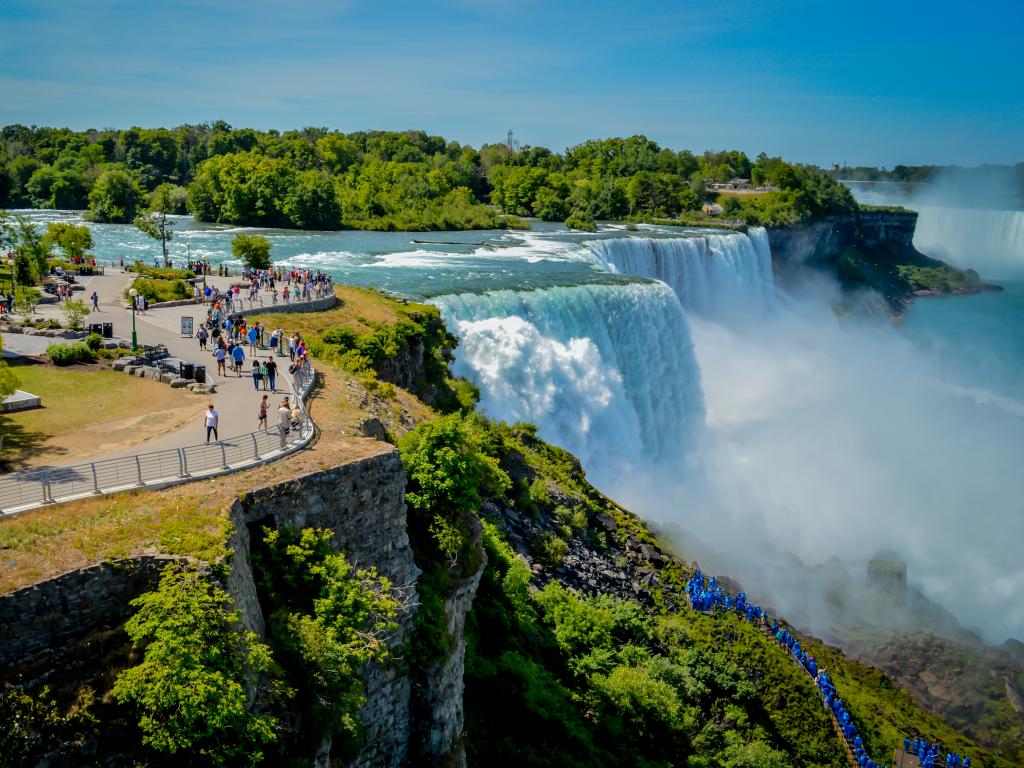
x=326 y=620
x=447 y=472
x=190 y=688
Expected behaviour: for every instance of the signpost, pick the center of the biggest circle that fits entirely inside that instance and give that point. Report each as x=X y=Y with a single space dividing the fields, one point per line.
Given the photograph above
x=186 y=327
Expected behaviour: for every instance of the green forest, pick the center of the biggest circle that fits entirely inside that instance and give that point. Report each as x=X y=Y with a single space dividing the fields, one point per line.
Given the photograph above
x=315 y=178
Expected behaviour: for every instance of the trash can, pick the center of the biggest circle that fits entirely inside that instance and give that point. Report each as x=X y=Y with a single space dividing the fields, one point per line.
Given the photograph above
x=186 y=370
x=200 y=373
x=108 y=330
x=96 y=328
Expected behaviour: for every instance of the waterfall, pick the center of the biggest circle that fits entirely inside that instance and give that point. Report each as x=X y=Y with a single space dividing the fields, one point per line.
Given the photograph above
x=990 y=241
x=712 y=274
x=605 y=371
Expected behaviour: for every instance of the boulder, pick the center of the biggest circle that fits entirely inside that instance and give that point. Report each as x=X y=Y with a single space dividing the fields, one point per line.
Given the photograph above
x=177 y=382
x=131 y=370
x=167 y=378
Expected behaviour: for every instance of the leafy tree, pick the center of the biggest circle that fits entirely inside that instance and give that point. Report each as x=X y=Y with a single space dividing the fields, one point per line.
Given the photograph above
x=447 y=471
x=73 y=239
x=8 y=381
x=114 y=198
x=253 y=250
x=154 y=222
x=329 y=619
x=30 y=252
x=190 y=687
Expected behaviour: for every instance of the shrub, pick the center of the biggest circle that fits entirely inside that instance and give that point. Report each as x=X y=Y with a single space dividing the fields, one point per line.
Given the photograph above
x=550 y=549
x=447 y=472
x=69 y=354
x=581 y=221
x=158 y=289
x=328 y=619
x=190 y=688
x=94 y=341
x=341 y=336
x=160 y=273
x=252 y=250
x=75 y=311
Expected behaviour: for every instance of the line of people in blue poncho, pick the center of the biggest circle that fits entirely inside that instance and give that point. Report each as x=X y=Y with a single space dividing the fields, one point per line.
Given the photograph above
x=930 y=755
x=707 y=595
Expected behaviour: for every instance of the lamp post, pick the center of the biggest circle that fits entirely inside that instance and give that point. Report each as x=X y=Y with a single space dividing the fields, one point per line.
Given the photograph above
x=135 y=341
x=14 y=286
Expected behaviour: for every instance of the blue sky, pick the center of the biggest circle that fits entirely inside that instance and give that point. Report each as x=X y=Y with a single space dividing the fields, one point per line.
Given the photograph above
x=865 y=83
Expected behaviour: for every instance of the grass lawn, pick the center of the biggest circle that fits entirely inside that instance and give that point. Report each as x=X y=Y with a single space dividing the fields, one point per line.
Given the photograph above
x=88 y=411
x=359 y=309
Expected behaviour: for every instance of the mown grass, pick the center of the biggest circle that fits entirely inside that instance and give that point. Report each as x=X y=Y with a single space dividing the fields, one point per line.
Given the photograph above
x=75 y=399
x=361 y=310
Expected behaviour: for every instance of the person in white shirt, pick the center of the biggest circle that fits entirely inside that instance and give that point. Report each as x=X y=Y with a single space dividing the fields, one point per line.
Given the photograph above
x=212 y=419
x=284 y=421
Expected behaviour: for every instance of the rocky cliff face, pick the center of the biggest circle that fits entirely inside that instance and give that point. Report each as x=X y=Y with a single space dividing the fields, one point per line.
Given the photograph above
x=822 y=242
x=862 y=250
x=871 y=254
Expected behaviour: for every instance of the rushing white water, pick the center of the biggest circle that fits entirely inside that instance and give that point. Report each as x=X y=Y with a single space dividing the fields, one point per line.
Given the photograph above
x=710 y=274
x=990 y=241
x=605 y=371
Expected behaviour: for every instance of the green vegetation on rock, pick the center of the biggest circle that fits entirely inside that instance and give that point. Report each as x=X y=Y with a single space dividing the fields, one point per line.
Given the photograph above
x=190 y=688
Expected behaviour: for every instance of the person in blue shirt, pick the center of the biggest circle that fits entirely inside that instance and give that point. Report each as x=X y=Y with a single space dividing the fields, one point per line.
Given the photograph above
x=238 y=355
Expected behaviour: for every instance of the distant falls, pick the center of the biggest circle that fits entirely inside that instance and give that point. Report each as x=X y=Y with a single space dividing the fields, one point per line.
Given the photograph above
x=712 y=274
x=605 y=371
x=990 y=241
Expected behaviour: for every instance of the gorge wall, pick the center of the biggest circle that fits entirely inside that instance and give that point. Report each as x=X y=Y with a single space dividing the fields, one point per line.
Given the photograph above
x=862 y=250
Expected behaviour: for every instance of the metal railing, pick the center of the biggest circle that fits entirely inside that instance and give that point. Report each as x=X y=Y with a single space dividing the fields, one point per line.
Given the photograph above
x=28 y=490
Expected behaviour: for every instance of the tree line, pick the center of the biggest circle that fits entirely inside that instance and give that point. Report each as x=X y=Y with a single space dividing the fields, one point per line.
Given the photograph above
x=314 y=178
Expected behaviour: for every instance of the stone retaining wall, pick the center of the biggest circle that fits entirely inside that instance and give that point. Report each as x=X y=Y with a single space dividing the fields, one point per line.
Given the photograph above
x=41 y=618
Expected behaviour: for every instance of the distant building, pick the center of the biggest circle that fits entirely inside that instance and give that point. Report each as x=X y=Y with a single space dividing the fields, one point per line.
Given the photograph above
x=712 y=209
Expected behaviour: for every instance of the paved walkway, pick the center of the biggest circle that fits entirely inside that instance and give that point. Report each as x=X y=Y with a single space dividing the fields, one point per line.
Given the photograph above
x=236 y=400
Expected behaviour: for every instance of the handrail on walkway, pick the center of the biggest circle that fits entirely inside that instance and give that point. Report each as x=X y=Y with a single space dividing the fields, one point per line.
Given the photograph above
x=23 y=491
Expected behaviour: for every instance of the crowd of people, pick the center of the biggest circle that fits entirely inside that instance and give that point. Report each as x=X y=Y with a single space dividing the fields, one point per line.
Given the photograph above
x=288 y=285
x=706 y=595
x=930 y=754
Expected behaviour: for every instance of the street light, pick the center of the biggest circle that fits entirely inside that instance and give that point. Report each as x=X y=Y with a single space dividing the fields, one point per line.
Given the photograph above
x=14 y=286
x=135 y=341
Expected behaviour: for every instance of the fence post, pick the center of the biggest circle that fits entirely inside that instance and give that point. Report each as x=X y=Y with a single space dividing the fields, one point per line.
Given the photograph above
x=255 y=446
x=95 y=479
x=138 y=468
x=182 y=466
x=224 y=455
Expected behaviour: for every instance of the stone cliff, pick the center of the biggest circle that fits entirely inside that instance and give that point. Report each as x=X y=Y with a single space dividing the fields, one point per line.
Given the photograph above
x=867 y=251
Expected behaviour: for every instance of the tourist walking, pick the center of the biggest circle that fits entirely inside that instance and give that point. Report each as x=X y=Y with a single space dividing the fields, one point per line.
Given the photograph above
x=202 y=335
x=221 y=355
x=264 y=407
x=271 y=374
x=95 y=301
x=284 y=420
x=238 y=355
x=253 y=335
x=212 y=422
x=256 y=374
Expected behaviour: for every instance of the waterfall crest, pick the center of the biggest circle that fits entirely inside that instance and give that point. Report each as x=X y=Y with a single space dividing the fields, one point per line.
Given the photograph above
x=712 y=274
